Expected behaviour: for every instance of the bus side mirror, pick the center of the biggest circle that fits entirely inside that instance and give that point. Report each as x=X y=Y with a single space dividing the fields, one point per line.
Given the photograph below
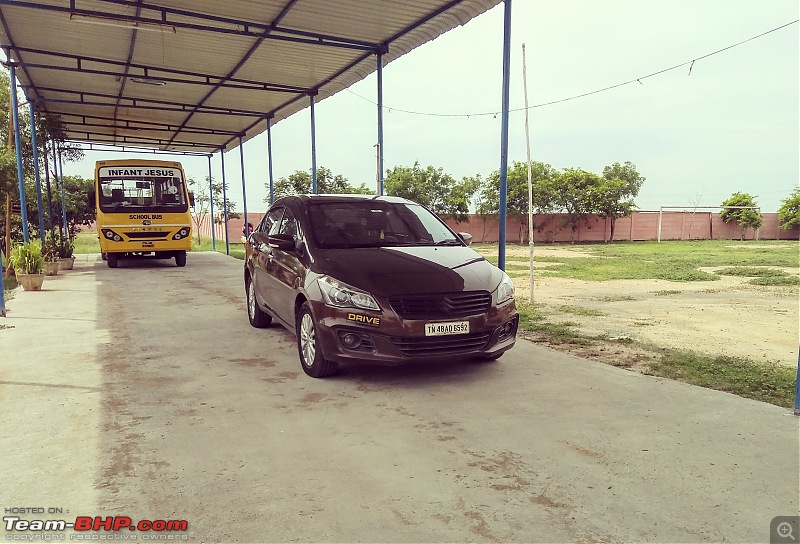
x=191 y=199
x=90 y=198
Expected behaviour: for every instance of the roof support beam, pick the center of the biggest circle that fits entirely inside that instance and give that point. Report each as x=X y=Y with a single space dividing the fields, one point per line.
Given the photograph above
x=89 y=136
x=151 y=73
x=124 y=79
x=76 y=126
x=90 y=146
x=142 y=104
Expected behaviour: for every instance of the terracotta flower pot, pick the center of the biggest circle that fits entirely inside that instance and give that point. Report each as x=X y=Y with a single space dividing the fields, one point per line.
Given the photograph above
x=66 y=263
x=51 y=268
x=31 y=282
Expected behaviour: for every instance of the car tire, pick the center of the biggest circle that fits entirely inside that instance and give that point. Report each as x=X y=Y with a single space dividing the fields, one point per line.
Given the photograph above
x=258 y=318
x=312 y=359
x=180 y=258
x=112 y=260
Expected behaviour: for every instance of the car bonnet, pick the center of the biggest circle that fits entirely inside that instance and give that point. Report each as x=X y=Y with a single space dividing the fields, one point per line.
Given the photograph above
x=388 y=271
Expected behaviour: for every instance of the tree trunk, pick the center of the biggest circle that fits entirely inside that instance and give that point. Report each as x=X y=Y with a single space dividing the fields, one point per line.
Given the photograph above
x=613 y=223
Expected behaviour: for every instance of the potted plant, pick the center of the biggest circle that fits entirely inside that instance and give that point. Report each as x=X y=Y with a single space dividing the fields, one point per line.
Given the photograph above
x=28 y=262
x=50 y=255
x=65 y=246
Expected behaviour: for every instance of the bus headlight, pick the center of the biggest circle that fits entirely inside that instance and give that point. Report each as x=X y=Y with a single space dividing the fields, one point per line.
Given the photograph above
x=181 y=234
x=111 y=235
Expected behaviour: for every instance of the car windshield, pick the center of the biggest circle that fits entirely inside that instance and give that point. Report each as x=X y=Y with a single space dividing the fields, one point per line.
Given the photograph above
x=372 y=223
x=124 y=190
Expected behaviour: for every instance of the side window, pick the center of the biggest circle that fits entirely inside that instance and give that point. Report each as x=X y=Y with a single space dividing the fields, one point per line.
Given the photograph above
x=289 y=224
x=273 y=220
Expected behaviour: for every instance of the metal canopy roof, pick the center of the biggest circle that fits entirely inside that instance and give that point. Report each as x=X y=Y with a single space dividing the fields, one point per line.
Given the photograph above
x=196 y=75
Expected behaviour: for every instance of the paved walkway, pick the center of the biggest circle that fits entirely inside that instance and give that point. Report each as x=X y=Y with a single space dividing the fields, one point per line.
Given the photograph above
x=143 y=392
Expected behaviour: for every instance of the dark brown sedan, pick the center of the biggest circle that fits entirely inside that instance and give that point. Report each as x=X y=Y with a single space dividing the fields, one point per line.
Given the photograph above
x=380 y=279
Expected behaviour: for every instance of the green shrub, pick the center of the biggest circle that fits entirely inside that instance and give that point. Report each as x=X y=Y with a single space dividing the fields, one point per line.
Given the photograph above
x=27 y=258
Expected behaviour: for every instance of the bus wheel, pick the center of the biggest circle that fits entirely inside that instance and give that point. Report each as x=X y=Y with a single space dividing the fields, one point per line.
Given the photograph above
x=112 y=260
x=180 y=258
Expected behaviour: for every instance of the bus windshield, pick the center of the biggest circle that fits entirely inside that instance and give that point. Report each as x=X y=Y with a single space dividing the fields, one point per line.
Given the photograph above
x=122 y=190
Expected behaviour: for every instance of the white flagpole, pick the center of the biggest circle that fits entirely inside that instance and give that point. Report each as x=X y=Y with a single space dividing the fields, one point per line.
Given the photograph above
x=530 y=182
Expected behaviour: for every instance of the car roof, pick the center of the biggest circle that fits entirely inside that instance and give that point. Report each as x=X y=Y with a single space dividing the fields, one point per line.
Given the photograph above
x=308 y=198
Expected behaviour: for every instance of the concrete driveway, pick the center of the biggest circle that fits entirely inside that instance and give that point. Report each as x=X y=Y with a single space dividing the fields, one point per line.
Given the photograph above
x=144 y=392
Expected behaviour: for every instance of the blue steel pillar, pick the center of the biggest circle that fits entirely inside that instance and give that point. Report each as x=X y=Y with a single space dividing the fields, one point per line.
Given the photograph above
x=269 y=160
x=380 y=124
x=12 y=68
x=63 y=195
x=2 y=296
x=797 y=388
x=36 y=171
x=211 y=200
x=244 y=187
x=47 y=184
x=501 y=257
x=313 y=148
x=225 y=202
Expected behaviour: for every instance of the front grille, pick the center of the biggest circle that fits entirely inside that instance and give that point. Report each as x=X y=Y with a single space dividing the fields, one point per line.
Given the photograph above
x=441 y=305
x=441 y=345
x=153 y=235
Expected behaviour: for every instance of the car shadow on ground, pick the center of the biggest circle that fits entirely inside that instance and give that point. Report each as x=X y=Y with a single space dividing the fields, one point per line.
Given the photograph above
x=414 y=373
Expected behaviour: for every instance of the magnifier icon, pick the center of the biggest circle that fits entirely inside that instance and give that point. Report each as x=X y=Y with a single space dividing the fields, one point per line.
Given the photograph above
x=784 y=530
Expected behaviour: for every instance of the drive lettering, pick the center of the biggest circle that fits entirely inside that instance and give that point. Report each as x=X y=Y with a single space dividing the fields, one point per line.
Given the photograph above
x=365 y=319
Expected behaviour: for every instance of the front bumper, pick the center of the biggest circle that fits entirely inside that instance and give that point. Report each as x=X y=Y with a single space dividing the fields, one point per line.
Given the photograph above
x=395 y=340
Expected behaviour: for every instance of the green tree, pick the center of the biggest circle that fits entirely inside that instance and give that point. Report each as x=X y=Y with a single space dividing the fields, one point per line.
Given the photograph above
x=614 y=198
x=607 y=201
x=433 y=188
x=79 y=210
x=49 y=128
x=746 y=218
x=202 y=203
x=301 y=183
x=789 y=212
x=628 y=174
x=573 y=193
x=517 y=193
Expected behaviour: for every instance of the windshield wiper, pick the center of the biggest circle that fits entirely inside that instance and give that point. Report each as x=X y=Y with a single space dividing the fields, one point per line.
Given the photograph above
x=450 y=242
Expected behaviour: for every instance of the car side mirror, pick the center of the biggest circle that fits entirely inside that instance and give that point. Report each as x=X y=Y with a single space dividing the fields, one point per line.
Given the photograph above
x=467 y=237
x=284 y=242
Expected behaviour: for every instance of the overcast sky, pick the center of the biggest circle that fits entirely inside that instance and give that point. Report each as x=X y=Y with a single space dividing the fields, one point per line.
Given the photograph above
x=732 y=125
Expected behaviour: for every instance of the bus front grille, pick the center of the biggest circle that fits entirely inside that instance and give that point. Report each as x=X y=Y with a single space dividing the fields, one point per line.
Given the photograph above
x=152 y=235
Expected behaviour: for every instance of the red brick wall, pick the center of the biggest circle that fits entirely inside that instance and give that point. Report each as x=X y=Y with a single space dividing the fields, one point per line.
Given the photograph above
x=639 y=226
x=549 y=228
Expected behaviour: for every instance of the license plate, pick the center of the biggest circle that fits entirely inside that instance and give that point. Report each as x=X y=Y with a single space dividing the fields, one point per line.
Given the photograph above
x=442 y=329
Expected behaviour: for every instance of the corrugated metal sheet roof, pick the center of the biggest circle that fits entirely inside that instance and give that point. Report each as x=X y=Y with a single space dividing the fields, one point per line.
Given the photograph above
x=195 y=75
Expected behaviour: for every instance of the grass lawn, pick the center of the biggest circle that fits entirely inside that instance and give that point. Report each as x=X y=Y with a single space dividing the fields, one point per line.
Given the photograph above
x=671 y=260
x=674 y=261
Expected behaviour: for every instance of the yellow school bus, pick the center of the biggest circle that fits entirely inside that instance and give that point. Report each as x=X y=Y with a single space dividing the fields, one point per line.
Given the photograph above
x=142 y=209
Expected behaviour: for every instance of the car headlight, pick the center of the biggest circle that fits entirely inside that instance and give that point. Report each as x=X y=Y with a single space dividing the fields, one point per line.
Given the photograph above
x=337 y=293
x=505 y=291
